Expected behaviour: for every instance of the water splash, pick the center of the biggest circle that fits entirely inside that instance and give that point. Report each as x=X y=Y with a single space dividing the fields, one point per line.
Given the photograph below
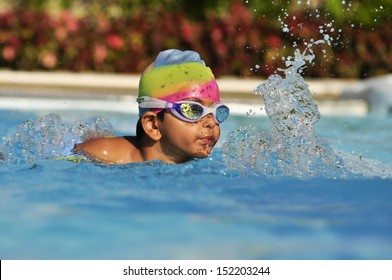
x=49 y=137
x=290 y=147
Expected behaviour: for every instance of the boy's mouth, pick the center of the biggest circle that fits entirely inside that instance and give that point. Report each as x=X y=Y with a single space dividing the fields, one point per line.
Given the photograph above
x=208 y=141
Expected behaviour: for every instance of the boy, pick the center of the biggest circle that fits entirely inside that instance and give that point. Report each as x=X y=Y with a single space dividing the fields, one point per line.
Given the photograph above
x=179 y=110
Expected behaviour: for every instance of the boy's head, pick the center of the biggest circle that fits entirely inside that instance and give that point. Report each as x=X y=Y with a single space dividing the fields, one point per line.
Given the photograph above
x=178 y=87
x=176 y=75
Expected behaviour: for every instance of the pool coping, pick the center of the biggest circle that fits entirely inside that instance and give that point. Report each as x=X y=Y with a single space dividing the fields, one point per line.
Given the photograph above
x=234 y=90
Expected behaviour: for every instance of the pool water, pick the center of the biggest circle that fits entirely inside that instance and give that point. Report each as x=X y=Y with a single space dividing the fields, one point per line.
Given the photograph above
x=59 y=209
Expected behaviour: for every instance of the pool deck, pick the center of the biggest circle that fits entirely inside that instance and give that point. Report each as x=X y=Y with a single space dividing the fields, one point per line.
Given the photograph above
x=97 y=86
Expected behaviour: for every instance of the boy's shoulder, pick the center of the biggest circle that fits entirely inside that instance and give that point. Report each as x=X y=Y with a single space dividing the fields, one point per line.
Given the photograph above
x=109 y=149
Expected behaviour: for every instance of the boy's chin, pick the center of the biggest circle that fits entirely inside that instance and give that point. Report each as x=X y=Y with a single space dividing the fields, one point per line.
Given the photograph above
x=204 y=154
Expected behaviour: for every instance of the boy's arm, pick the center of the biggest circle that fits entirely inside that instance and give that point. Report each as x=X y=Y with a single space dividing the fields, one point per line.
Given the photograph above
x=105 y=150
x=96 y=149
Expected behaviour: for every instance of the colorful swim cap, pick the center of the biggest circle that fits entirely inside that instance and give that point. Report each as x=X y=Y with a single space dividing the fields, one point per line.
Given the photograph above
x=176 y=75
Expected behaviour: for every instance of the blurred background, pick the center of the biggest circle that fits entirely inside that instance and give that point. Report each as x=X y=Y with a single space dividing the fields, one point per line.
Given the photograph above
x=235 y=38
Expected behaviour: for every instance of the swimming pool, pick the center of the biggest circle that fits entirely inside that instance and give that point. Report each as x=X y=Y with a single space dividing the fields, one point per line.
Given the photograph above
x=59 y=209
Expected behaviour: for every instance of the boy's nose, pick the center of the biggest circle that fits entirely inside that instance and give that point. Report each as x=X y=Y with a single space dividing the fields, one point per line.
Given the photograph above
x=208 y=121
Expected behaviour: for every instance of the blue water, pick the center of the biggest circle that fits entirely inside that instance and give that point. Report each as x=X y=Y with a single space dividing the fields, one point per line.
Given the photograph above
x=58 y=209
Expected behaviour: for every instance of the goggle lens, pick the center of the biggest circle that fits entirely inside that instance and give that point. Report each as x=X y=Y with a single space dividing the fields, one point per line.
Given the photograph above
x=222 y=113
x=191 y=111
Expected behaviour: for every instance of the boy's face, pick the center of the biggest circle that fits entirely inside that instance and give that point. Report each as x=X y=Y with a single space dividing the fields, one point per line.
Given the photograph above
x=189 y=139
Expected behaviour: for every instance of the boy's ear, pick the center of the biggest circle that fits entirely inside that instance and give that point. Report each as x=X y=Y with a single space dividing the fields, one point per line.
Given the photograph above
x=149 y=122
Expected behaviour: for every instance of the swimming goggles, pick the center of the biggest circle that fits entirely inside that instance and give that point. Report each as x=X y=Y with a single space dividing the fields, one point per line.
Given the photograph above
x=185 y=110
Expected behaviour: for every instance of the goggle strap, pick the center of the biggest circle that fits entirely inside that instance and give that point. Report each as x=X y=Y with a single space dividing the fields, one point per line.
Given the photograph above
x=149 y=102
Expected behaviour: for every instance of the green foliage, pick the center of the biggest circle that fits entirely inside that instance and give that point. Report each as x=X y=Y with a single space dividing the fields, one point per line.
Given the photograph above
x=243 y=38
x=366 y=13
x=369 y=13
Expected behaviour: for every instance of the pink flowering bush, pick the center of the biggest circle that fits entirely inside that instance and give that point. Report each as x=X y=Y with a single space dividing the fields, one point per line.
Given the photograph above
x=233 y=43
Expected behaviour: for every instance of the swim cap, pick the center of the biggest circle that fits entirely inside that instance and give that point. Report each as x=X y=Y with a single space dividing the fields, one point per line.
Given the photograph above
x=176 y=75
